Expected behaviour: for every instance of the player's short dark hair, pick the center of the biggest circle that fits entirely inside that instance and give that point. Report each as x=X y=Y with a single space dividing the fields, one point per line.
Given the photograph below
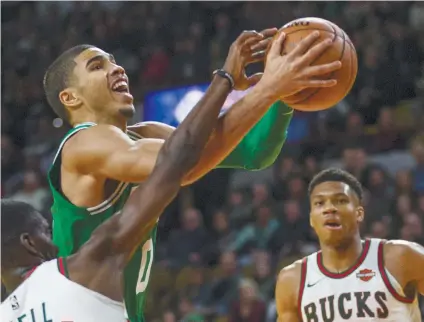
x=338 y=175
x=17 y=217
x=58 y=76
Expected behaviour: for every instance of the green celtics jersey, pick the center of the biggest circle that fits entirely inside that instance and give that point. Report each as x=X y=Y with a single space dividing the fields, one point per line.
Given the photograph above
x=73 y=226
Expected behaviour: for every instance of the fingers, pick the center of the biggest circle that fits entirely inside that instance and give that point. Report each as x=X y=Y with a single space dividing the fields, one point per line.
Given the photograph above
x=315 y=52
x=276 y=46
x=270 y=32
x=256 y=57
x=322 y=69
x=267 y=34
x=318 y=83
x=254 y=79
x=248 y=34
x=261 y=45
x=303 y=46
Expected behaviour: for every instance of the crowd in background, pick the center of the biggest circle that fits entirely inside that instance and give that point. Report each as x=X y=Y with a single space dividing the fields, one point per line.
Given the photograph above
x=223 y=240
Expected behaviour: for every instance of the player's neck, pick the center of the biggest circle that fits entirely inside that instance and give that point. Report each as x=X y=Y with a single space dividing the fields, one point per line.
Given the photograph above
x=116 y=121
x=339 y=259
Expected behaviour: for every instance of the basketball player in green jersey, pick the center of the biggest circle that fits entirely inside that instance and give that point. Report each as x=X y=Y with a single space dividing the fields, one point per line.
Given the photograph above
x=98 y=162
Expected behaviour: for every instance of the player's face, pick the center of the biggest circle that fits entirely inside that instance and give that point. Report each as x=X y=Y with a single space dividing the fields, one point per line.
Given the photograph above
x=40 y=241
x=102 y=84
x=335 y=212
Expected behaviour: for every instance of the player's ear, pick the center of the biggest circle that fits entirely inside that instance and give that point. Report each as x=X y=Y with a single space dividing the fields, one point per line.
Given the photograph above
x=29 y=244
x=360 y=214
x=70 y=98
x=310 y=221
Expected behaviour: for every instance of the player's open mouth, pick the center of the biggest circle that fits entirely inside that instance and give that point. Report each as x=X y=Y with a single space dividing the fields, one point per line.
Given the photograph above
x=120 y=86
x=332 y=224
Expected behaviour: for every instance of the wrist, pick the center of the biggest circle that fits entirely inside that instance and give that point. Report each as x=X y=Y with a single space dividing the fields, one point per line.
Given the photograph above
x=266 y=92
x=221 y=83
x=222 y=73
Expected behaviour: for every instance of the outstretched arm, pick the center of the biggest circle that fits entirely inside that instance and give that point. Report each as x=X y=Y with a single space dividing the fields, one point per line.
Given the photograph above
x=112 y=155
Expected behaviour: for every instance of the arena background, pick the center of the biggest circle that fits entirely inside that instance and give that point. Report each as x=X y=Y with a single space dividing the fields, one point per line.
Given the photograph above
x=225 y=237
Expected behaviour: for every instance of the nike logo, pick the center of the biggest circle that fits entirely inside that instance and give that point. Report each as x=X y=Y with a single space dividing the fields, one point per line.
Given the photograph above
x=312 y=284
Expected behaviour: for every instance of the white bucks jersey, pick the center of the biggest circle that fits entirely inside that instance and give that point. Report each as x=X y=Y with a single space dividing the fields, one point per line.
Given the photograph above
x=47 y=295
x=365 y=292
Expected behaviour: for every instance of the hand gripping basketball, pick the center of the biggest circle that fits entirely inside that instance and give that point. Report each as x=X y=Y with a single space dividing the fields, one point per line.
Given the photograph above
x=290 y=73
x=249 y=47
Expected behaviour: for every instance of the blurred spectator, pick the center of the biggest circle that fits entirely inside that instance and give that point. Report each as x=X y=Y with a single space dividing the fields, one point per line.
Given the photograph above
x=249 y=307
x=256 y=235
x=224 y=288
x=262 y=275
x=388 y=136
x=418 y=171
x=222 y=234
x=32 y=192
x=198 y=289
x=187 y=244
x=294 y=230
x=355 y=160
x=239 y=209
x=187 y=312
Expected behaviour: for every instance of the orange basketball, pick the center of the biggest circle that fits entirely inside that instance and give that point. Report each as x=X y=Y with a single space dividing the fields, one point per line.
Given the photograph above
x=316 y=99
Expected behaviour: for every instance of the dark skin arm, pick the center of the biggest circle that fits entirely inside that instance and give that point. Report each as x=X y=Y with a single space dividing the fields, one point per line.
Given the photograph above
x=113 y=243
x=286 y=293
x=105 y=152
x=410 y=276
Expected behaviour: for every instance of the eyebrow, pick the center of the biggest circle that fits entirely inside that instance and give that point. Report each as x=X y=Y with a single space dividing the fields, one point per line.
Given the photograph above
x=99 y=58
x=338 y=194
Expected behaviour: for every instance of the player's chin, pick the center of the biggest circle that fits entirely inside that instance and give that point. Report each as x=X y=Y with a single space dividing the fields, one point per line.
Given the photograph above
x=123 y=97
x=128 y=110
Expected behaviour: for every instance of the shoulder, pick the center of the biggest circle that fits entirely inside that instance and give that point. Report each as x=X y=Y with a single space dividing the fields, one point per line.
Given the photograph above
x=289 y=280
x=401 y=250
x=291 y=273
x=96 y=140
x=92 y=134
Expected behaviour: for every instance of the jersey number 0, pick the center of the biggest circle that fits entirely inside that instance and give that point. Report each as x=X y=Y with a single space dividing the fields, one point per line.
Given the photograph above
x=145 y=266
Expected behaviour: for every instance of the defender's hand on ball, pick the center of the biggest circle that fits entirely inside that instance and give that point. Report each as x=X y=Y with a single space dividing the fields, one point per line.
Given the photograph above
x=248 y=48
x=288 y=74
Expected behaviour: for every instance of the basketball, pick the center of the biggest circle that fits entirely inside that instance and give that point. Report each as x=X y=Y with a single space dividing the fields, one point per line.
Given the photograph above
x=316 y=99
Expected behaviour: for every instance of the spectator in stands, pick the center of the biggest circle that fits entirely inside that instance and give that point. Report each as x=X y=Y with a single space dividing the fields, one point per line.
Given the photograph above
x=263 y=276
x=257 y=235
x=418 y=171
x=188 y=244
x=239 y=209
x=249 y=307
x=222 y=235
x=32 y=191
x=224 y=288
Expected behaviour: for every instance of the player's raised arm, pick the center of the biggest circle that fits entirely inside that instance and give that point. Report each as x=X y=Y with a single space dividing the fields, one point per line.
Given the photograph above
x=287 y=293
x=100 y=152
x=121 y=234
